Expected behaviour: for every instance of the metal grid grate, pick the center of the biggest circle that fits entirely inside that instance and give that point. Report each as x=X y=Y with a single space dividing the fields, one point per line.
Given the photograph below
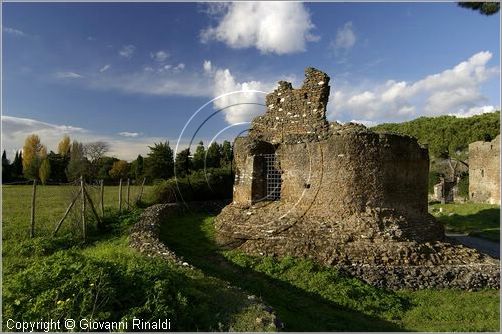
x=273 y=177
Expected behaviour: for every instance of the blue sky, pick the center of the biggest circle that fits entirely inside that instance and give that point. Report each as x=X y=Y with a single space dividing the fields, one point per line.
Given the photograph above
x=134 y=74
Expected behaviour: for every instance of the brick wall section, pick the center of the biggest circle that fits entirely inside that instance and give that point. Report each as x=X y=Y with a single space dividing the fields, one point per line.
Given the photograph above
x=484 y=171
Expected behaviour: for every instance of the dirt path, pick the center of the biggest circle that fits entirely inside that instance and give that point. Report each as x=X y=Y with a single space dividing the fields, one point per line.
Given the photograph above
x=485 y=246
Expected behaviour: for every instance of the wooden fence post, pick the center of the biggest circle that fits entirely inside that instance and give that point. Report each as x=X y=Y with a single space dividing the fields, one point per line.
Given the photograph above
x=66 y=213
x=33 y=197
x=93 y=209
x=128 y=192
x=102 y=197
x=141 y=190
x=84 y=226
x=120 y=196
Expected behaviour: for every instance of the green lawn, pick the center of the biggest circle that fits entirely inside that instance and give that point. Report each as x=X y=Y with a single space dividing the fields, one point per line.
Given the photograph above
x=306 y=297
x=58 y=278
x=476 y=219
x=309 y=297
x=51 y=203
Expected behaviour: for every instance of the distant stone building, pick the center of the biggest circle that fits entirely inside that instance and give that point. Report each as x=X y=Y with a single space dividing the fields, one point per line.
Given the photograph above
x=484 y=171
x=342 y=195
x=446 y=191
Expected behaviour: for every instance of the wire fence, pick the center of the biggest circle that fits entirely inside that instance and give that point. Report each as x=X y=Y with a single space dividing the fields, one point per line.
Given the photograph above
x=31 y=209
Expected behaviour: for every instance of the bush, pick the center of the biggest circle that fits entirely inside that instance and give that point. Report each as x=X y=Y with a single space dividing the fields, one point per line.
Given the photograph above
x=214 y=184
x=71 y=285
x=433 y=180
x=463 y=186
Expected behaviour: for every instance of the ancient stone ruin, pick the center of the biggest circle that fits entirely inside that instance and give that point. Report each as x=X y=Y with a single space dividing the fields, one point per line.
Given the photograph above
x=342 y=195
x=484 y=171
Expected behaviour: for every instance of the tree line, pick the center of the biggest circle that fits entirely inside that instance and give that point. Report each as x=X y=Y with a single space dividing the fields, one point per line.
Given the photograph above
x=448 y=136
x=74 y=159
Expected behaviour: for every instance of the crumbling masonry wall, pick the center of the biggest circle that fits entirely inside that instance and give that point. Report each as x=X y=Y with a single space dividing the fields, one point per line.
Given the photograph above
x=350 y=198
x=484 y=171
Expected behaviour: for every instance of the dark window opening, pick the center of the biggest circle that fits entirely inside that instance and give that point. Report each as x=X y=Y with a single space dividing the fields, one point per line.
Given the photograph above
x=273 y=177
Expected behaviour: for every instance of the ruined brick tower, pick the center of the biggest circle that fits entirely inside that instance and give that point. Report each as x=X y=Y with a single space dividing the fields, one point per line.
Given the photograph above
x=484 y=171
x=340 y=194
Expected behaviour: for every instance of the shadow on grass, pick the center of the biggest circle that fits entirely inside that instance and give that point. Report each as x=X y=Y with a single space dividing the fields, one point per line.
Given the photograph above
x=487 y=220
x=300 y=310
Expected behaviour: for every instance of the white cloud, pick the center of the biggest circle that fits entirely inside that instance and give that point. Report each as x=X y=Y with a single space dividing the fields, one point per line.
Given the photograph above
x=179 y=67
x=452 y=91
x=14 y=32
x=244 y=105
x=345 y=37
x=68 y=75
x=475 y=111
x=207 y=66
x=129 y=134
x=367 y=124
x=162 y=82
x=271 y=27
x=105 y=68
x=16 y=129
x=127 y=51
x=160 y=56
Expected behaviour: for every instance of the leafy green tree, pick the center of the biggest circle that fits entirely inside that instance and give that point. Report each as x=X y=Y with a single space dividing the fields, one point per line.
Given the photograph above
x=17 y=165
x=199 y=156
x=78 y=165
x=160 y=162
x=58 y=164
x=183 y=163
x=213 y=156
x=119 y=170
x=6 y=168
x=105 y=165
x=44 y=170
x=226 y=153
x=137 y=166
x=447 y=136
x=485 y=8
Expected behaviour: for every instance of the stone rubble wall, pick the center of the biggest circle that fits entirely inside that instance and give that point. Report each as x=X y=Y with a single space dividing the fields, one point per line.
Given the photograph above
x=145 y=238
x=145 y=234
x=295 y=115
x=350 y=198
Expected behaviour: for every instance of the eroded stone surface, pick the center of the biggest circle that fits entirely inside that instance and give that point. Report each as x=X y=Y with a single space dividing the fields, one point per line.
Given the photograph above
x=349 y=197
x=484 y=171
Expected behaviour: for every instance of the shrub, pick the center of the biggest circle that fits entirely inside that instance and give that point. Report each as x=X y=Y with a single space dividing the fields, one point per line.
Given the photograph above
x=214 y=184
x=433 y=180
x=71 y=285
x=463 y=186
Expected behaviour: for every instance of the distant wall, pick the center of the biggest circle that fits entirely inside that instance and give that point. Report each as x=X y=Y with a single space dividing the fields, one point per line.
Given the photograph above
x=484 y=171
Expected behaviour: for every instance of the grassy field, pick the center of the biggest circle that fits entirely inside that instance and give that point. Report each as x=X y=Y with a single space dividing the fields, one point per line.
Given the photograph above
x=61 y=277
x=309 y=297
x=305 y=296
x=475 y=219
x=51 y=203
